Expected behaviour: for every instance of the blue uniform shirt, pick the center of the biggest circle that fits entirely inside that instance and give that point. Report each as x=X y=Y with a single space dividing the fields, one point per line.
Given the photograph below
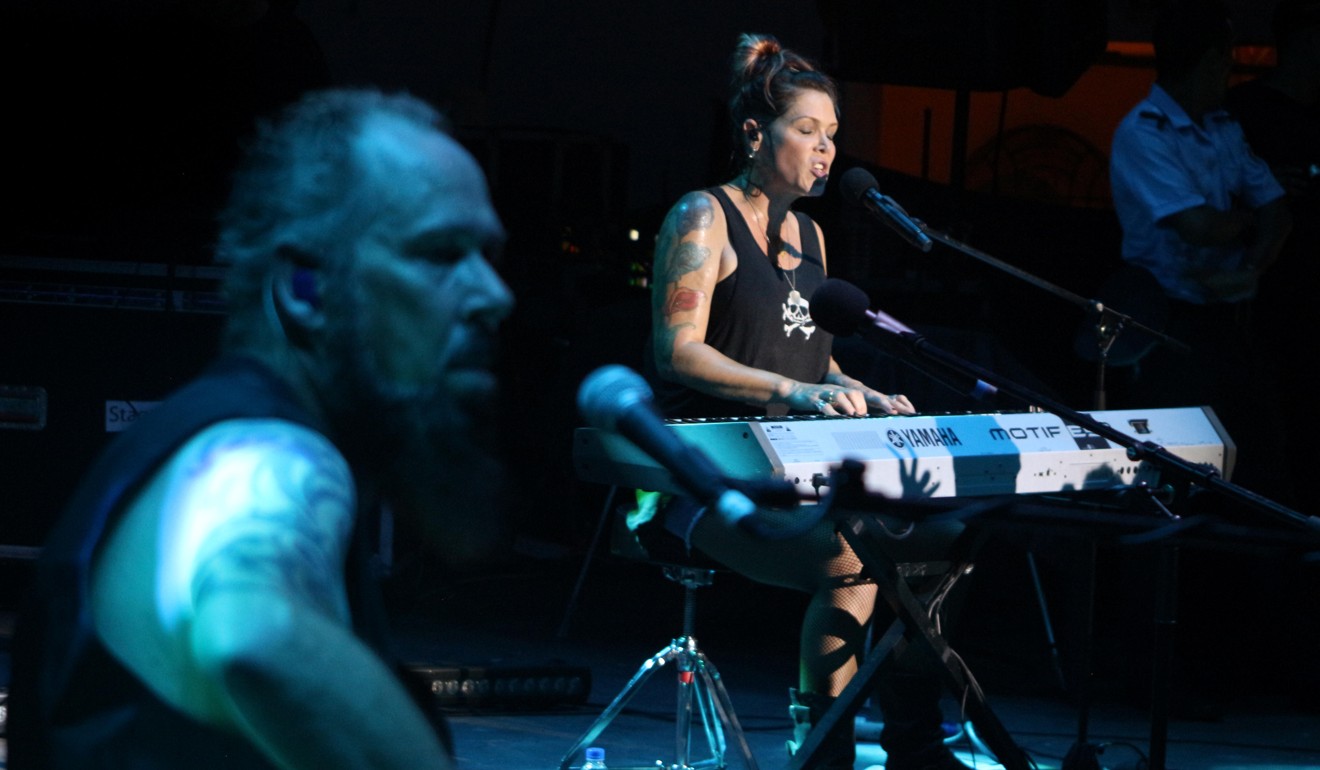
x=1162 y=162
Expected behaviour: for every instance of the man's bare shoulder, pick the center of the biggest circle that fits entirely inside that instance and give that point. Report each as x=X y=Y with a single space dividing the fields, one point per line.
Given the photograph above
x=243 y=481
x=245 y=504
x=247 y=500
x=252 y=437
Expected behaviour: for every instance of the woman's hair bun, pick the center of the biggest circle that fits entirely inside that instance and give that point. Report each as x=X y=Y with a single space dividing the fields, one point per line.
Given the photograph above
x=754 y=50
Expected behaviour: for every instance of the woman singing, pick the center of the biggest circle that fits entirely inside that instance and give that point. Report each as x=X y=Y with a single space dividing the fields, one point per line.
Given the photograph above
x=732 y=334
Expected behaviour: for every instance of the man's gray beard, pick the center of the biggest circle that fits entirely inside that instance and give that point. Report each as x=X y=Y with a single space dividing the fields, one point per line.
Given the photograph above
x=434 y=463
x=373 y=421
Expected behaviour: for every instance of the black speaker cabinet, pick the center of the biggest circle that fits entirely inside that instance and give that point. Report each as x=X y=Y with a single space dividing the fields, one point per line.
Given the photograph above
x=80 y=359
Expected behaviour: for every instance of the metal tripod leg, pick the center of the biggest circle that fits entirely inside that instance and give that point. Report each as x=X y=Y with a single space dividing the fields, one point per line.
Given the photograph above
x=700 y=685
x=699 y=688
x=616 y=707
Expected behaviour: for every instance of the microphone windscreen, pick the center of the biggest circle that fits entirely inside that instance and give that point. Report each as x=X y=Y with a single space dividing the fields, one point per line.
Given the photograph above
x=856 y=181
x=838 y=307
x=607 y=393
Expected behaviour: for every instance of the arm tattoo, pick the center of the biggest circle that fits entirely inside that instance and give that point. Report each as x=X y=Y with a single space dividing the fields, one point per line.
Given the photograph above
x=682 y=299
x=285 y=522
x=692 y=214
x=676 y=258
x=687 y=257
x=695 y=213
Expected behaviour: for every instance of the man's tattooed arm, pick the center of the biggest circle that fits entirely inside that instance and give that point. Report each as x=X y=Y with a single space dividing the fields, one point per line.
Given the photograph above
x=291 y=517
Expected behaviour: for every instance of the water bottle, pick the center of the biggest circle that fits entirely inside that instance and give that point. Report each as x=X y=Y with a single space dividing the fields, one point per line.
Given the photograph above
x=595 y=759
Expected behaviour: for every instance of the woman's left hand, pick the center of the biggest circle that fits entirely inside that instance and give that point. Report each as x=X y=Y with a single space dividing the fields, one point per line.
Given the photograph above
x=898 y=402
x=858 y=400
x=889 y=403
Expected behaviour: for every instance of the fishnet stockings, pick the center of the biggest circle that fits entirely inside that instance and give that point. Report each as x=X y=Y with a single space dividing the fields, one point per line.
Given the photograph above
x=819 y=563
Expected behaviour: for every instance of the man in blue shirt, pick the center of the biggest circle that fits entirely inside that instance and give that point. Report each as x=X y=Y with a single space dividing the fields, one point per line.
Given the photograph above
x=1206 y=218
x=1197 y=207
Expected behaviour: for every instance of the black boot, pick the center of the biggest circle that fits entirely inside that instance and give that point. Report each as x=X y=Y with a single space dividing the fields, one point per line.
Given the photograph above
x=839 y=751
x=913 y=733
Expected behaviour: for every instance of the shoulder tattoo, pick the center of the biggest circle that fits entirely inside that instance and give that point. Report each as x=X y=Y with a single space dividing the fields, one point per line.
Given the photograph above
x=692 y=214
x=282 y=511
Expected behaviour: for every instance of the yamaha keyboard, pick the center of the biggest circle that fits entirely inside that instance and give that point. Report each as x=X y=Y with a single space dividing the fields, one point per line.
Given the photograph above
x=920 y=456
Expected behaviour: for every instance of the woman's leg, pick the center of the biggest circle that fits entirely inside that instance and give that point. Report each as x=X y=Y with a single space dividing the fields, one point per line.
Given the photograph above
x=819 y=563
x=834 y=635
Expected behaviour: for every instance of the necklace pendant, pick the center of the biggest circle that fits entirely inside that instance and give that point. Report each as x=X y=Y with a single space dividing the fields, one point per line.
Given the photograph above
x=790 y=276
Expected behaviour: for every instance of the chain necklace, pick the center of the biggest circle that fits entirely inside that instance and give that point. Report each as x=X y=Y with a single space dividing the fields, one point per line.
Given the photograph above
x=763 y=225
x=791 y=277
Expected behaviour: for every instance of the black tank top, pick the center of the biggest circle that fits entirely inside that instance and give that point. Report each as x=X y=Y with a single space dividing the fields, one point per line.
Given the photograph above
x=760 y=317
x=73 y=705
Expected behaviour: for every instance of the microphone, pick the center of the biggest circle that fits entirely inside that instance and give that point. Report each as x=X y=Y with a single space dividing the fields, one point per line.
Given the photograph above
x=614 y=398
x=841 y=309
x=860 y=185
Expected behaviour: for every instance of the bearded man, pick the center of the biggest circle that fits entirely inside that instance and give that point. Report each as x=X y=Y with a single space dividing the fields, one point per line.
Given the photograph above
x=207 y=601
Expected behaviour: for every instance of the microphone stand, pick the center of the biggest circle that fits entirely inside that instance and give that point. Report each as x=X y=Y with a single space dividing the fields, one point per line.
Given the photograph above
x=1185 y=474
x=1109 y=323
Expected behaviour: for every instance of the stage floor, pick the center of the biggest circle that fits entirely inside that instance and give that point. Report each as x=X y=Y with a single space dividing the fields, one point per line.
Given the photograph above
x=526 y=620
x=625 y=612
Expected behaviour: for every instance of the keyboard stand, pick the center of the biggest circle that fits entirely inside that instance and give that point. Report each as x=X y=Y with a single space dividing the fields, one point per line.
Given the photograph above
x=912 y=625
